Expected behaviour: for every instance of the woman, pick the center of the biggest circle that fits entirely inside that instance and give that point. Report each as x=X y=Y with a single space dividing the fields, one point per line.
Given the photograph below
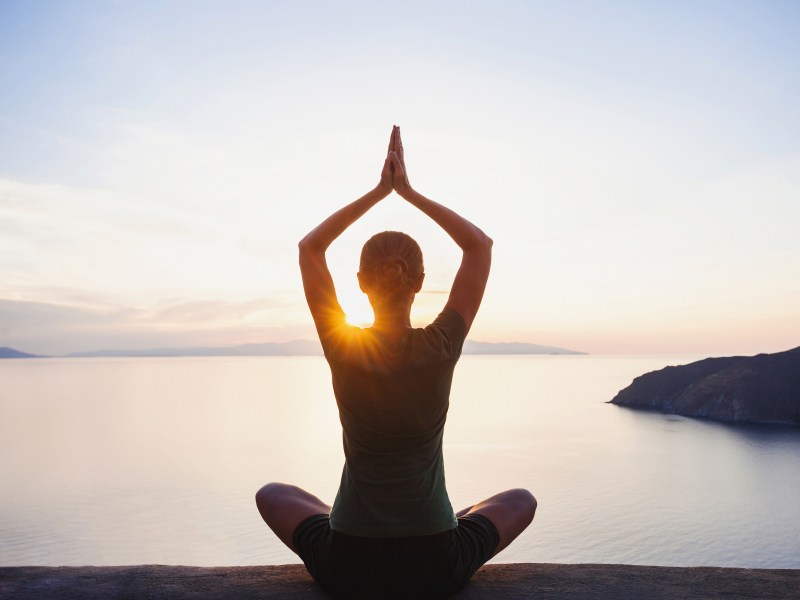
x=391 y=531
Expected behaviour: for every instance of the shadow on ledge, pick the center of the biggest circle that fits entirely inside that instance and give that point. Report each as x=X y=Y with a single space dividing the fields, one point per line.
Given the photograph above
x=500 y=582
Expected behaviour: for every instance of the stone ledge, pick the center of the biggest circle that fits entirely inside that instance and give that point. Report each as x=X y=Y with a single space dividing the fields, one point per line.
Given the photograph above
x=499 y=582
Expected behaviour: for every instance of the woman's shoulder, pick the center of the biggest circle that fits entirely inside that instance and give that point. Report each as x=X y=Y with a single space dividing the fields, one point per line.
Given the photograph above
x=342 y=339
x=446 y=334
x=449 y=319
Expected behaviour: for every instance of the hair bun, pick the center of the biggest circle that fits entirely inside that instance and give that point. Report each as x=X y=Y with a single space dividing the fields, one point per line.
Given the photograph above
x=393 y=272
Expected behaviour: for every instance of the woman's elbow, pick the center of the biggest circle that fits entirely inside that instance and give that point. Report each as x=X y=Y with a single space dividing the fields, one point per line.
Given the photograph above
x=480 y=246
x=309 y=251
x=306 y=245
x=304 y=250
x=485 y=242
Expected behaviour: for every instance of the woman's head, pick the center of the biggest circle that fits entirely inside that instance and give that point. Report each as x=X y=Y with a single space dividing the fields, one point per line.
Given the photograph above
x=391 y=268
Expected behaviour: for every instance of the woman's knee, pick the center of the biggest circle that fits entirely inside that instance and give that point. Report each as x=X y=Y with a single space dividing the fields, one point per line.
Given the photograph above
x=280 y=499
x=512 y=508
x=270 y=494
x=521 y=502
x=527 y=501
x=525 y=498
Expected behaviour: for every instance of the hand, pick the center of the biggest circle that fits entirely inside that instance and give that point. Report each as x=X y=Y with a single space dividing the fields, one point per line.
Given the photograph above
x=400 y=176
x=387 y=173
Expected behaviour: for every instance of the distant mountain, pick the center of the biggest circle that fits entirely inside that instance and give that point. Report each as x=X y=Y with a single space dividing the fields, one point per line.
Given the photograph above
x=473 y=347
x=753 y=389
x=293 y=348
x=310 y=348
x=6 y=352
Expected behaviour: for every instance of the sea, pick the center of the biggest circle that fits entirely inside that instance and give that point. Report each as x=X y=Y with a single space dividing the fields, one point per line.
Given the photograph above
x=118 y=461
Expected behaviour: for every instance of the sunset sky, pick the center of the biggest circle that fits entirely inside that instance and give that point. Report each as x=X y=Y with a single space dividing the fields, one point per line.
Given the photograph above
x=636 y=163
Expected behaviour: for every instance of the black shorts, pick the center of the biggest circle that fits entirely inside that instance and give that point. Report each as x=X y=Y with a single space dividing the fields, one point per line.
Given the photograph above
x=430 y=566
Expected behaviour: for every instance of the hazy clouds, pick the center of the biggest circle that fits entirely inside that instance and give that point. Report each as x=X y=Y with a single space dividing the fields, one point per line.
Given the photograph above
x=637 y=166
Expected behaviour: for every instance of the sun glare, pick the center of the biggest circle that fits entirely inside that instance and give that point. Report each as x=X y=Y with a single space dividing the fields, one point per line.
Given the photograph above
x=361 y=317
x=357 y=309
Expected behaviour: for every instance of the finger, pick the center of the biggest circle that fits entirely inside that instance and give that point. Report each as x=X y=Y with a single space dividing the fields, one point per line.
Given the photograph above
x=398 y=165
x=388 y=169
x=398 y=145
x=392 y=138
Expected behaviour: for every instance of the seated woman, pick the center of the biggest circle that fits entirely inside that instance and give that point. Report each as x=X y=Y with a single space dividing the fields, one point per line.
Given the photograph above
x=392 y=532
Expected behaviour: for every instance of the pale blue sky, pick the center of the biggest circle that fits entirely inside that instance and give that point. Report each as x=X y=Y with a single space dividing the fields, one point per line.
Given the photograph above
x=637 y=163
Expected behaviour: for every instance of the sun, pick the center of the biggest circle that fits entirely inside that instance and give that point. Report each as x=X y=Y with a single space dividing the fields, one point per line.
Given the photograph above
x=357 y=309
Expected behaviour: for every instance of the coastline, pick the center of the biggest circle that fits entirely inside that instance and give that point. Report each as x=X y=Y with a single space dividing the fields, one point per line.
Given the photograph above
x=544 y=581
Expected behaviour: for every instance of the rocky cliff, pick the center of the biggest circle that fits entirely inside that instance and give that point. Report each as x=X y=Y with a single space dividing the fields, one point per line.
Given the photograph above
x=751 y=389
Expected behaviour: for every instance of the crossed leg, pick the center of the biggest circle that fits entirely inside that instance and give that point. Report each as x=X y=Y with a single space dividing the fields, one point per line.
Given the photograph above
x=510 y=512
x=283 y=507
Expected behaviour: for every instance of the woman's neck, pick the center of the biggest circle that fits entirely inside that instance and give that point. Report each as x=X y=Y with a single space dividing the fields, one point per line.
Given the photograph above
x=392 y=320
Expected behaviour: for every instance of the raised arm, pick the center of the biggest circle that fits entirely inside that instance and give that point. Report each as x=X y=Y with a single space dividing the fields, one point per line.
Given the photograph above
x=476 y=260
x=317 y=281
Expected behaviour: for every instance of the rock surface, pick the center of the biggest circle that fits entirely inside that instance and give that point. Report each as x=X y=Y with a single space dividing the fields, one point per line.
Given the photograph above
x=499 y=582
x=749 y=389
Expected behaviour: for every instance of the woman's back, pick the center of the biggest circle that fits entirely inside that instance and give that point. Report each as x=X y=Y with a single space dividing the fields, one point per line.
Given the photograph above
x=393 y=400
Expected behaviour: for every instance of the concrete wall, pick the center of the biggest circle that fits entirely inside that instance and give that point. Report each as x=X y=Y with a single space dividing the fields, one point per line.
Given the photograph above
x=499 y=582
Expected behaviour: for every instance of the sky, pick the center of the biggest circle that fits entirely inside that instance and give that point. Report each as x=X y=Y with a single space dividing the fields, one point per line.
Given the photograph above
x=636 y=163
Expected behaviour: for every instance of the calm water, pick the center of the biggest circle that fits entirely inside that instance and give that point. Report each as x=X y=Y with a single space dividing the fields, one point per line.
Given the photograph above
x=129 y=461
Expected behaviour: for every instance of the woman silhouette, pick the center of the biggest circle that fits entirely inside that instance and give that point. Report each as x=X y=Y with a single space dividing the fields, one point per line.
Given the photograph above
x=391 y=532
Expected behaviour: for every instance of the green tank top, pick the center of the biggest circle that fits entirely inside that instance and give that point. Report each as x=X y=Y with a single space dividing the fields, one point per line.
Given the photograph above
x=393 y=405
